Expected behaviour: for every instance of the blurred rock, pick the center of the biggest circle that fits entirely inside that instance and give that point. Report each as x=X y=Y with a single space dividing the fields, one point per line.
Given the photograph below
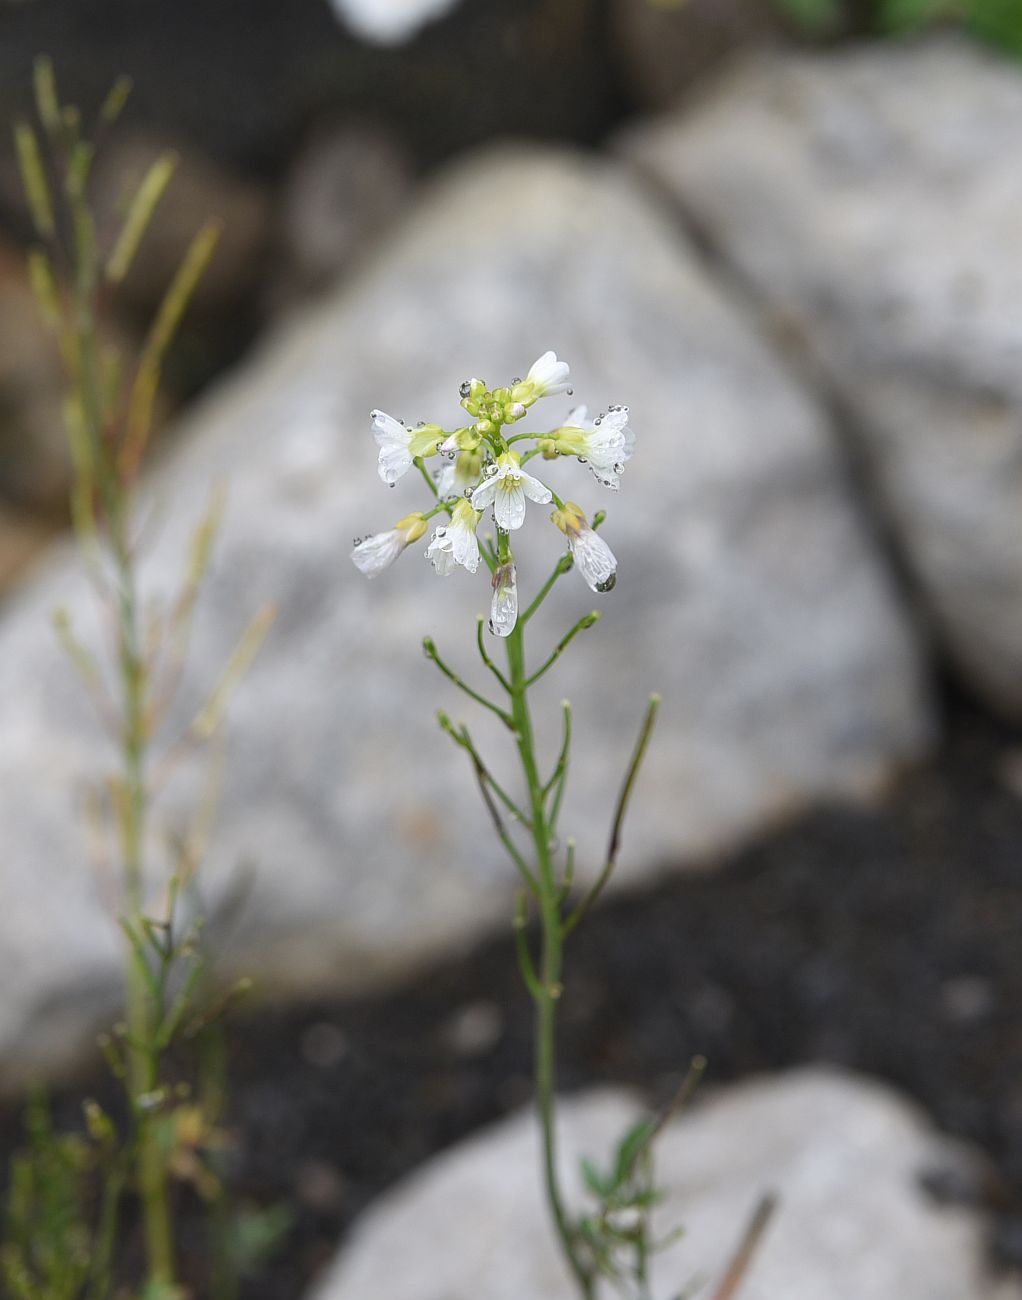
x=22 y=538
x=844 y=1155
x=347 y=187
x=868 y=201
x=664 y=47
x=34 y=463
x=749 y=593
x=200 y=191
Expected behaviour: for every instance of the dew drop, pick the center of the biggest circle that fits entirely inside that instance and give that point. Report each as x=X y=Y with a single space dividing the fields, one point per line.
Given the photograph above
x=465 y=389
x=607 y=584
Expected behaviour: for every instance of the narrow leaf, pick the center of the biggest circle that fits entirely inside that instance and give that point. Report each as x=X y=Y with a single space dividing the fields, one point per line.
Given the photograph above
x=33 y=178
x=140 y=214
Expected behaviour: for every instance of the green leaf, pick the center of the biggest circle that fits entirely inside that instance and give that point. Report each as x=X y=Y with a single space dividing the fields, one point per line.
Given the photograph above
x=594 y=1180
x=630 y=1148
x=817 y=17
x=997 y=21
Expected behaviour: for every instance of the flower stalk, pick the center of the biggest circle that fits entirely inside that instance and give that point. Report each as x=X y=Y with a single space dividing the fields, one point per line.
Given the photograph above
x=486 y=474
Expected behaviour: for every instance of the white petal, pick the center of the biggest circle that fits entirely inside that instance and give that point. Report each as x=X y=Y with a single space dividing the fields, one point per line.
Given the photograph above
x=394 y=462
x=509 y=505
x=389 y=432
x=595 y=560
x=466 y=549
x=504 y=606
x=534 y=489
x=577 y=418
x=374 y=554
x=549 y=375
x=483 y=495
x=438 y=552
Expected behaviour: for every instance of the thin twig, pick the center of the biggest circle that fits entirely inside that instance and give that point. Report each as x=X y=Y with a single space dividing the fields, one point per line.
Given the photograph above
x=747 y=1248
x=525 y=962
x=638 y=753
x=486 y=658
x=562 y=566
x=464 y=739
x=583 y=623
x=559 y=779
x=484 y=780
x=429 y=646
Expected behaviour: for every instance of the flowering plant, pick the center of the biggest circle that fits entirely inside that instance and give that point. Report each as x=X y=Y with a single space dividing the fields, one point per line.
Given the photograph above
x=482 y=467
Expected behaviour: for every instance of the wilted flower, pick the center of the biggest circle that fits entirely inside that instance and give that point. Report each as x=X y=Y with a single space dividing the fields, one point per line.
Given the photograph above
x=593 y=557
x=506 y=488
x=374 y=554
x=504 y=605
x=455 y=543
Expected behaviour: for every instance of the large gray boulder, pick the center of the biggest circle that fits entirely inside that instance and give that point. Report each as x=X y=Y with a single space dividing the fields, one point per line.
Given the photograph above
x=846 y=1158
x=750 y=593
x=870 y=201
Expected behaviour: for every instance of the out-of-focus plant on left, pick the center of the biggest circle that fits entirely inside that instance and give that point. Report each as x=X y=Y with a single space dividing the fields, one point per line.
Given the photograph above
x=70 y=1195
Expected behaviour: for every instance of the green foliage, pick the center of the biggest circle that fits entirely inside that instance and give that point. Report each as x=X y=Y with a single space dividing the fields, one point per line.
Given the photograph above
x=995 y=22
x=47 y=1249
x=817 y=17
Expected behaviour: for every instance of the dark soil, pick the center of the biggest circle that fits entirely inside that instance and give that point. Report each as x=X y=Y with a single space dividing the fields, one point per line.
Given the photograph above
x=888 y=942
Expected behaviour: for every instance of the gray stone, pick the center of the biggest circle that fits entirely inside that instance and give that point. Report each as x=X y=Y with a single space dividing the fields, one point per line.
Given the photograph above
x=347 y=186
x=749 y=593
x=867 y=201
x=844 y=1156
x=34 y=463
x=664 y=50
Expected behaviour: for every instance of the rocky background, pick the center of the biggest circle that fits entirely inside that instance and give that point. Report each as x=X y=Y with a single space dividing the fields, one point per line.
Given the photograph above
x=795 y=253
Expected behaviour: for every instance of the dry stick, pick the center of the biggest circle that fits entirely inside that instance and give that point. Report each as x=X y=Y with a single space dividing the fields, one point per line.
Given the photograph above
x=635 y=763
x=747 y=1248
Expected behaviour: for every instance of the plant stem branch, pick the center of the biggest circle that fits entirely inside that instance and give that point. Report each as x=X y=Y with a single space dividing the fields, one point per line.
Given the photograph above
x=641 y=744
x=549 y=973
x=583 y=623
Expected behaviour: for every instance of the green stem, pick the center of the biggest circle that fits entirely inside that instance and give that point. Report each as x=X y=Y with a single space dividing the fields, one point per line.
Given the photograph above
x=548 y=990
x=143 y=1058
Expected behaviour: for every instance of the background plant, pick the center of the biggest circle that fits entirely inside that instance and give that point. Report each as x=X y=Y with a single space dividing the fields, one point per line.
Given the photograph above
x=998 y=22
x=108 y=409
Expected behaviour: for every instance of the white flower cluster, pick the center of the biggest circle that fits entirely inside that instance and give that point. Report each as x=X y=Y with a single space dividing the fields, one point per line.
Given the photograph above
x=484 y=469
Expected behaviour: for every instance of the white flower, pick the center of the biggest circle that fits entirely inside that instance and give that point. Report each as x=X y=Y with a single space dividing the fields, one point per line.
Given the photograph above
x=400 y=445
x=507 y=487
x=389 y=22
x=593 y=557
x=374 y=554
x=455 y=543
x=504 y=606
x=606 y=443
x=460 y=474
x=546 y=378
